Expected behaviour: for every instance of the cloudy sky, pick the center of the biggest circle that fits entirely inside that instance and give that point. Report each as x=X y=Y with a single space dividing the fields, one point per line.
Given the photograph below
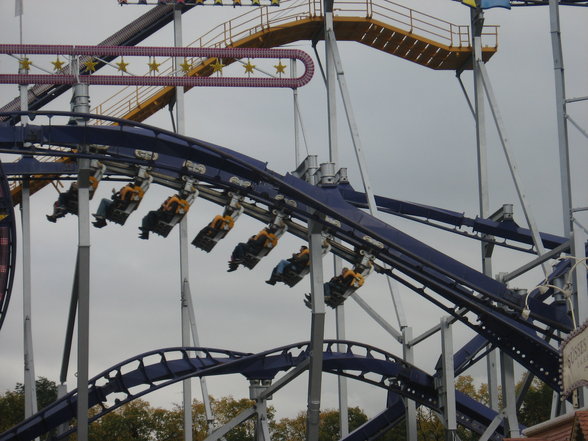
x=418 y=136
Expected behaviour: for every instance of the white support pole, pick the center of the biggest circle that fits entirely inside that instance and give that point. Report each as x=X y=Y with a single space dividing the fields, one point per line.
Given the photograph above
x=334 y=56
x=186 y=305
x=341 y=380
x=577 y=249
x=377 y=317
x=477 y=19
x=317 y=331
x=81 y=104
x=297 y=155
x=29 y=363
x=562 y=128
x=509 y=399
x=331 y=77
x=187 y=297
x=512 y=165
x=30 y=386
x=354 y=131
x=409 y=405
x=447 y=390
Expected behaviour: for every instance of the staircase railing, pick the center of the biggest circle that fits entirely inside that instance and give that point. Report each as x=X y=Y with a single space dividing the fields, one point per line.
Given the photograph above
x=266 y=17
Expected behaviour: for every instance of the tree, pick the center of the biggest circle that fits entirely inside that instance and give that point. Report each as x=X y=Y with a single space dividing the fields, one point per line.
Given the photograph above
x=536 y=406
x=133 y=421
x=12 y=402
x=294 y=429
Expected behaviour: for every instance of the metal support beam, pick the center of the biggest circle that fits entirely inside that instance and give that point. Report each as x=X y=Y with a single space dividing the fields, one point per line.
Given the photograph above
x=378 y=318
x=509 y=399
x=409 y=405
x=512 y=164
x=297 y=155
x=552 y=254
x=234 y=422
x=317 y=331
x=30 y=387
x=341 y=380
x=29 y=363
x=332 y=42
x=447 y=386
x=492 y=427
x=187 y=298
x=560 y=105
x=577 y=126
x=81 y=103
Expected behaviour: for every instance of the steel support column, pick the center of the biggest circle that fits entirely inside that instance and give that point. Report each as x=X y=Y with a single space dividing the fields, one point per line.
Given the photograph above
x=477 y=18
x=317 y=331
x=183 y=236
x=29 y=363
x=509 y=399
x=81 y=103
x=409 y=405
x=447 y=386
x=30 y=387
x=577 y=249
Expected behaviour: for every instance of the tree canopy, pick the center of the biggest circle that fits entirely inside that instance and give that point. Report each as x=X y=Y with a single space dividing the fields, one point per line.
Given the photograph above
x=139 y=421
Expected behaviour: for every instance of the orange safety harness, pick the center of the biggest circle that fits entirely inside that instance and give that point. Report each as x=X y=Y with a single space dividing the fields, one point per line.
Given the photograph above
x=270 y=241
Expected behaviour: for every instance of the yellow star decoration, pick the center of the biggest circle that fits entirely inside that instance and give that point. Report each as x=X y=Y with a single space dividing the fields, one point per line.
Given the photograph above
x=275 y=2
x=90 y=65
x=25 y=63
x=217 y=66
x=236 y=2
x=249 y=67
x=218 y=2
x=57 y=65
x=122 y=66
x=186 y=66
x=280 y=68
x=154 y=66
x=199 y=2
x=255 y=2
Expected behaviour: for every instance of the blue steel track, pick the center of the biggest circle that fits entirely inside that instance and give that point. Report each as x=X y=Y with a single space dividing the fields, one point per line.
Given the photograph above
x=423 y=269
x=177 y=364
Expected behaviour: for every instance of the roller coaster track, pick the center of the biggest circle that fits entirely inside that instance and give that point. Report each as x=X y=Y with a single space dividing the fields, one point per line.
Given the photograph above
x=423 y=269
x=7 y=245
x=148 y=372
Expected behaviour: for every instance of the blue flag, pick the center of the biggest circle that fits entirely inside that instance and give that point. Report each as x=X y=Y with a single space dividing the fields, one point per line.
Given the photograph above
x=487 y=4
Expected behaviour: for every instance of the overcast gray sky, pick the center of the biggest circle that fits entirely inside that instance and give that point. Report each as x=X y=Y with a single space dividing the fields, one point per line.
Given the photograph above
x=418 y=136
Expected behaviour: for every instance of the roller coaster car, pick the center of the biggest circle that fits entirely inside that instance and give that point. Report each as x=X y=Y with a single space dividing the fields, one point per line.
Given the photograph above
x=340 y=287
x=292 y=275
x=271 y=240
x=125 y=201
x=167 y=219
x=209 y=236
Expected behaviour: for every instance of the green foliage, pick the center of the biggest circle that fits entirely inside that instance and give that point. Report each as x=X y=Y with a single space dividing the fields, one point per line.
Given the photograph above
x=138 y=421
x=12 y=402
x=294 y=429
x=536 y=406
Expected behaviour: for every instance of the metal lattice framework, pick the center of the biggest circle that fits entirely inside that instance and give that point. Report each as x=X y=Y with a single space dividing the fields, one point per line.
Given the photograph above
x=148 y=372
x=425 y=270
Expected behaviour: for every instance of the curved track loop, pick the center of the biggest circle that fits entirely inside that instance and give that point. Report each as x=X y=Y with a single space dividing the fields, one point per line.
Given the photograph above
x=7 y=245
x=145 y=373
x=418 y=266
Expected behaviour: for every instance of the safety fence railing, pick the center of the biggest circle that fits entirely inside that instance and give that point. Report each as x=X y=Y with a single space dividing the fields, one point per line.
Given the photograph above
x=290 y=11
